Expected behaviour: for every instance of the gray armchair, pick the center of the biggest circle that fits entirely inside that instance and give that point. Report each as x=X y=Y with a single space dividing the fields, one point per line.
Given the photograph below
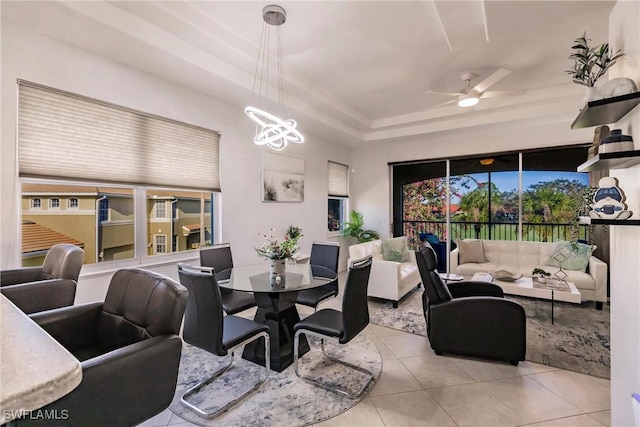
x=129 y=349
x=53 y=285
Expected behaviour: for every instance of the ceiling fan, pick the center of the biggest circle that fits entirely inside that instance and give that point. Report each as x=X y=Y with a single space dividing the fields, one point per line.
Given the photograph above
x=470 y=96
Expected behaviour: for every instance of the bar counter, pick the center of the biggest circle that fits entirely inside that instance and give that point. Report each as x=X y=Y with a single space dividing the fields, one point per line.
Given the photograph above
x=35 y=369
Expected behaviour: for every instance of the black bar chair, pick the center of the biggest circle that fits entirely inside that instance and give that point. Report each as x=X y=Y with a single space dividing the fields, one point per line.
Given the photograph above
x=323 y=254
x=219 y=258
x=206 y=327
x=340 y=326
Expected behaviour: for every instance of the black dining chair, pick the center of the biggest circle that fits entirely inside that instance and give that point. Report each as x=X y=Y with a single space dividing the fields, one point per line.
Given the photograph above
x=340 y=326
x=470 y=318
x=323 y=254
x=206 y=327
x=219 y=258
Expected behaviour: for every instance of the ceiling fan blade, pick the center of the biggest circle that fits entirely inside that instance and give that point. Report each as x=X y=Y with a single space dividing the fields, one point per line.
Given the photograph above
x=443 y=104
x=499 y=93
x=444 y=93
x=492 y=79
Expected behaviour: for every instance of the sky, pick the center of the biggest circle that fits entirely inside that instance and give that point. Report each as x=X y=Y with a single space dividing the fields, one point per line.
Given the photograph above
x=506 y=181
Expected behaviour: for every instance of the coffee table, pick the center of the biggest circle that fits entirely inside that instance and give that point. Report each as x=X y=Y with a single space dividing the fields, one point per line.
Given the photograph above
x=526 y=287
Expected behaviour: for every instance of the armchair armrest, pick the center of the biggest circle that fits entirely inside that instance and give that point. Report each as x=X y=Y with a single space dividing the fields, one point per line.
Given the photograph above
x=454 y=261
x=148 y=368
x=74 y=327
x=41 y=295
x=598 y=270
x=20 y=275
x=474 y=289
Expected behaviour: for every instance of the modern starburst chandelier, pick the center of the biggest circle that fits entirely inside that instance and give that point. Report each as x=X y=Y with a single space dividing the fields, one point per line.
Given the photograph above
x=271 y=128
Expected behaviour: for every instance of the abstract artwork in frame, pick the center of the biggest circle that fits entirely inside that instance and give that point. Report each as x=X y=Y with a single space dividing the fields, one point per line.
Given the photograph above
x=282 y=178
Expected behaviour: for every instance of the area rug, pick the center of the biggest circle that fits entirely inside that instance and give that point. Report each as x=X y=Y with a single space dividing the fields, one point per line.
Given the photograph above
x=284 y=399
x=577 y=341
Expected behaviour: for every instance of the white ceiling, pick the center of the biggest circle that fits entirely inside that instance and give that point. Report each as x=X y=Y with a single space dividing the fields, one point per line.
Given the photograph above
x=357 y=71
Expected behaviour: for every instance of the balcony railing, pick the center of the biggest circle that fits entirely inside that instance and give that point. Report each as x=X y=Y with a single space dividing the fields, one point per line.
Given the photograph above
x=531 y=232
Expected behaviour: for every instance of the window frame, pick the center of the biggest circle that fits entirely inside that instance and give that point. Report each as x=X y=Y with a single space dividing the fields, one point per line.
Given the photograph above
x=156 y=244
x=51 y=200
x=141 y=258
x=77 y=203
x=32 y=203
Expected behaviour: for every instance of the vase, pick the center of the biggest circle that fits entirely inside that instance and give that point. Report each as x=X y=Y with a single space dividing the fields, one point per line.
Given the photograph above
x=277 y=267
x=591 y=94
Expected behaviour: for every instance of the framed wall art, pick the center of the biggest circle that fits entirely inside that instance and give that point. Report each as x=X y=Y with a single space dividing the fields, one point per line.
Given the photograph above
x=282 y=178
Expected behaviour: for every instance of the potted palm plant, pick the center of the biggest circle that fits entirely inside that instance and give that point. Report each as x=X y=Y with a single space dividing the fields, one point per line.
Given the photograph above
x=355 y=228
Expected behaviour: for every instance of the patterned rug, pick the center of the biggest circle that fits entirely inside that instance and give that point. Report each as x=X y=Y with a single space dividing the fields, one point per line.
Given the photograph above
x=284 y=399
x=577 y=341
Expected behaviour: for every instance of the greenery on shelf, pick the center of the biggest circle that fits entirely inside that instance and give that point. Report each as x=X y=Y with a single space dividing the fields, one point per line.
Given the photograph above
x=591 y=63
x=355 y=228
x=273 y=248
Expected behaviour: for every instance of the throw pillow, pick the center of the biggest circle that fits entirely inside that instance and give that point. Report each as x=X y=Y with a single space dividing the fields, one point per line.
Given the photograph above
x=577 y=256
x=470 y=251
x=395 y=249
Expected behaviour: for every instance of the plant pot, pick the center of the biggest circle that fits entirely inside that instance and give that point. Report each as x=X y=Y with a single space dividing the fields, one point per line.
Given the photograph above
x=277 y=267
x=591 y=94
x=542 y=280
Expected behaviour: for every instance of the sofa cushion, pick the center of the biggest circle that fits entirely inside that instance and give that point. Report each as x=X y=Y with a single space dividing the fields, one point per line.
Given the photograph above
x=471 y=251
x=577 y=255
x=469 y=269
x=395 y=249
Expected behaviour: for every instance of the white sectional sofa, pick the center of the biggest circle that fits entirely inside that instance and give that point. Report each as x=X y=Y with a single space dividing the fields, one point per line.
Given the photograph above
x=389 y=279
x=523 y=257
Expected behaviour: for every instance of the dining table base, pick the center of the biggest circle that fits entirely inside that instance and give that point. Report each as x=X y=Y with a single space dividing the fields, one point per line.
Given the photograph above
x=278 y=311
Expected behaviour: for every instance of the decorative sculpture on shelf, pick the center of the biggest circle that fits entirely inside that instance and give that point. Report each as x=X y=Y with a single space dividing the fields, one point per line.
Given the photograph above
x=609 y=201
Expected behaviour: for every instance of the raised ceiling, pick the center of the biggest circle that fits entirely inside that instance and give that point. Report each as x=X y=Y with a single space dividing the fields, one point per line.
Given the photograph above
x=357 y=71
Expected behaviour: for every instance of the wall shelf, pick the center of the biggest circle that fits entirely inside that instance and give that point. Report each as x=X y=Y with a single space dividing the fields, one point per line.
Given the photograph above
x=598 y=221
x=608 y=110
x=606 y=161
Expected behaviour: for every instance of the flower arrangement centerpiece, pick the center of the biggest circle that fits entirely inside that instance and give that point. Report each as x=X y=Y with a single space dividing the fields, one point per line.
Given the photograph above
x=279 y=251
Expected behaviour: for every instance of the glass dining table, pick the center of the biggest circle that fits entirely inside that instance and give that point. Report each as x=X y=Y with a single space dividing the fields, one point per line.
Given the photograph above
x=275 y=298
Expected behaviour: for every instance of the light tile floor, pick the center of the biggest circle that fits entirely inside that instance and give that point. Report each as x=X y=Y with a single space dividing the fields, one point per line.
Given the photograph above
x=418 y=388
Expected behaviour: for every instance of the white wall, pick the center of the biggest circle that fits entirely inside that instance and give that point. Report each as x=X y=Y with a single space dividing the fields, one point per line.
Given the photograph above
x=624 y=33
x=30 y=56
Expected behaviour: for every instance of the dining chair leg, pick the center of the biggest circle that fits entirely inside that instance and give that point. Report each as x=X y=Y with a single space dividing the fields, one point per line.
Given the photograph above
x=336 y=390
x=226 y=406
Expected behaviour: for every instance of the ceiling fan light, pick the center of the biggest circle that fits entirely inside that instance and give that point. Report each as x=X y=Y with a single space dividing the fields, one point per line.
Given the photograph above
x=468 y=100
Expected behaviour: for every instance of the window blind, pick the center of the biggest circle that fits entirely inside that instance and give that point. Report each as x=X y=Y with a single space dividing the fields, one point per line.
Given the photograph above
x=338 y=179
x=67 y=136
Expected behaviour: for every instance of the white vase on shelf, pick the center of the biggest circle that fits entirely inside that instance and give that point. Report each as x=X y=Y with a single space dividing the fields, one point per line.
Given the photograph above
x=591 y=94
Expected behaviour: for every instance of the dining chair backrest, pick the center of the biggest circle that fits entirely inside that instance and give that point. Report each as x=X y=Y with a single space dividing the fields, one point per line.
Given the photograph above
x=217 y=256
x=325 y=254
x=355 y=309
x=203 y=319
x=435 y=289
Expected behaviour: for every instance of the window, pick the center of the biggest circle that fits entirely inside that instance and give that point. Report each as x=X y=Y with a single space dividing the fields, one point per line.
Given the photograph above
x=108 y=221
x=160 y=209
x=36 y=203
x=191 y=213
x=54 y=203
x=104 y=209
x=529 y=196
x=160 y=243
x=338 y=197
